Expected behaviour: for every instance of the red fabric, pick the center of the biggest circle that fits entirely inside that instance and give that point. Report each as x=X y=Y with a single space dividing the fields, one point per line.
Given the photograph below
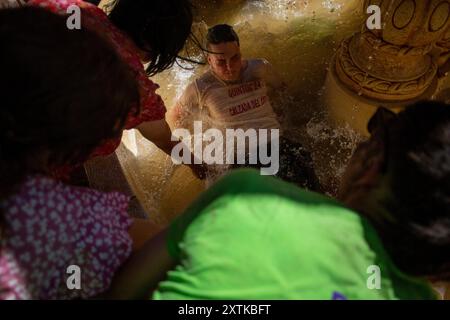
x=151 y=105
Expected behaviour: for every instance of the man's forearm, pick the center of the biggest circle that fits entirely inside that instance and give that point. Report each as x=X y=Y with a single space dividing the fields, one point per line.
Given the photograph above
x=143 y=271
x=159 y=133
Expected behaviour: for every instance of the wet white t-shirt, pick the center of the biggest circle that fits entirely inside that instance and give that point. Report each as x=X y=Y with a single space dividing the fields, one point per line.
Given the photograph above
x=241 y=105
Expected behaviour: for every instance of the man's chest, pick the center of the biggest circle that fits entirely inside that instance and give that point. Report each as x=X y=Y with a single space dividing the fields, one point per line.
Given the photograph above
x=234 y=100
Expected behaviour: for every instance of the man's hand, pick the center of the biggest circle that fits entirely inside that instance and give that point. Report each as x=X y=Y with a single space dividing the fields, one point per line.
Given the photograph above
x=200 y=170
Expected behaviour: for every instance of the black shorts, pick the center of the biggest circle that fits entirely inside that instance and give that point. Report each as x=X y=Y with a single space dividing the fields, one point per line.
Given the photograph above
x=296 y=165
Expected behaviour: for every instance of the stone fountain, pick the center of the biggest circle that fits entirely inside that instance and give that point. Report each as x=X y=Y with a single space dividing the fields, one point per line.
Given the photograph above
x=394 y=66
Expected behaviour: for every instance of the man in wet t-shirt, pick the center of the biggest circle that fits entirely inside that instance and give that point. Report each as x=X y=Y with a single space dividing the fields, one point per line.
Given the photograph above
x=234 y=94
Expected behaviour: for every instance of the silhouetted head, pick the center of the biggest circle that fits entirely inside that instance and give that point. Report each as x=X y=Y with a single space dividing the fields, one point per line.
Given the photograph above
x=224 y=56
x=62 y=93
x=400 y=180
x=159 y=28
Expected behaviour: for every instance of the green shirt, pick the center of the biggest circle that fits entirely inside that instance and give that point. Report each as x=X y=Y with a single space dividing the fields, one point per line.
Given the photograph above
x=254 y=237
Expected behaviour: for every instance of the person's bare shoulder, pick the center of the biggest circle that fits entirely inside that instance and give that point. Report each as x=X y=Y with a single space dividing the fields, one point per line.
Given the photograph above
x=266 y=70
x=260 y=62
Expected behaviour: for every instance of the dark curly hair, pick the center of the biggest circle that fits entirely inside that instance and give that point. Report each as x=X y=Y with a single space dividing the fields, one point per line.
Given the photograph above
x=160 y=28
x=417 y=148
x=221 y=33
x=62 y=92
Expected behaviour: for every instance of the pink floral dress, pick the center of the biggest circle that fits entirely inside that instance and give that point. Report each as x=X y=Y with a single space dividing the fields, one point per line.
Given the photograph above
x=50 y=227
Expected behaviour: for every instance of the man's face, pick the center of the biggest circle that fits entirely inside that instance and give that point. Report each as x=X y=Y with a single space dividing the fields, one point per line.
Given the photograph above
x=227 y=62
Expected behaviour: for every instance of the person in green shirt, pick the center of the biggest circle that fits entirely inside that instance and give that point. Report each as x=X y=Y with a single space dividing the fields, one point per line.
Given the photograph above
x=256 y=237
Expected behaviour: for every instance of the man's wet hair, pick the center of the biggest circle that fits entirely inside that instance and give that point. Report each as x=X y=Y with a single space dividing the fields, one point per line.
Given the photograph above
x=63 y=92
x=416 y=232
x=221 y=33
x=160 y=28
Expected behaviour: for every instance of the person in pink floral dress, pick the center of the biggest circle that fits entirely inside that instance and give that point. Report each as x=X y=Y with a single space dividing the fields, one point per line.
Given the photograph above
x=63 y=93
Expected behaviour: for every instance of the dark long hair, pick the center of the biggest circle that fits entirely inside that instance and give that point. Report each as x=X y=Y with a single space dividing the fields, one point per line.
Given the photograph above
x=160 y=28
x=417 y=232
x=62 y=92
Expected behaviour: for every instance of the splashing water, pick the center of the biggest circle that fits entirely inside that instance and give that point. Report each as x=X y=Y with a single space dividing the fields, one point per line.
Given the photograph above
x=299 y=38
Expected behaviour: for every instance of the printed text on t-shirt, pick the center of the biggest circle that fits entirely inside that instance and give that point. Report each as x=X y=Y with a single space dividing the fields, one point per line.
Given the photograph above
x=248 y=87
x=248 y=105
